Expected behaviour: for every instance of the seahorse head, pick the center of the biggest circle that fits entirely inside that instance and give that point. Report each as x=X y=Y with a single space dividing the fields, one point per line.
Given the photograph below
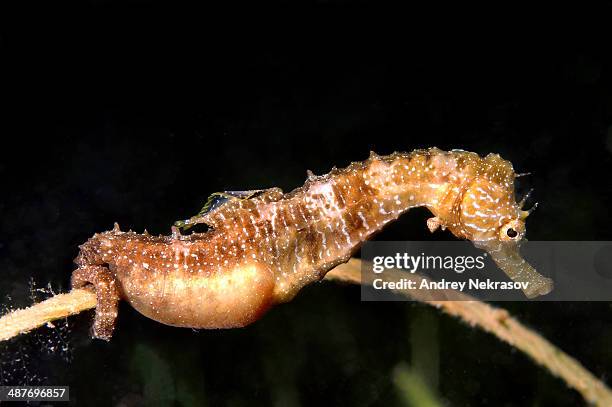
x=490 y=217
x=488 y=209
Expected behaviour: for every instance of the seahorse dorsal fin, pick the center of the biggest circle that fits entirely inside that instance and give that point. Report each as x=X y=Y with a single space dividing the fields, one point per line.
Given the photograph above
x=223 y=205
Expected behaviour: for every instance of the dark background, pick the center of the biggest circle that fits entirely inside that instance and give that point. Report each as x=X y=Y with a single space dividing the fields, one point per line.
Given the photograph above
x=136 y=112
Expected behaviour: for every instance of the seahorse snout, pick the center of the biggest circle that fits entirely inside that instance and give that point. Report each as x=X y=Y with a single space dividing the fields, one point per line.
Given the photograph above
x=508 y=258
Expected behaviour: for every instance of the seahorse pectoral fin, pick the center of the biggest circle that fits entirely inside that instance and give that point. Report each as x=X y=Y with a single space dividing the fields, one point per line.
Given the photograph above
x=433 y=224
x=507 y=257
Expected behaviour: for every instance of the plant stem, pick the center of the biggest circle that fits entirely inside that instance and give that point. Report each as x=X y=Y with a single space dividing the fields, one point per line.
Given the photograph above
x=498 y=322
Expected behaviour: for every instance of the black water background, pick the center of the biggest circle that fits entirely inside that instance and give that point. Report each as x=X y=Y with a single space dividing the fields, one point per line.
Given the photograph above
x=132 y=113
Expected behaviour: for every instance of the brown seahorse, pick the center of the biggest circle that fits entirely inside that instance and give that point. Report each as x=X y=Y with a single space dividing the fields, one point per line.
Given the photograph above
x=263 y=247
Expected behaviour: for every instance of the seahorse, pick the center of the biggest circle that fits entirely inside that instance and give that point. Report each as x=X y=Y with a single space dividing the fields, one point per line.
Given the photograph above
x=263 y=246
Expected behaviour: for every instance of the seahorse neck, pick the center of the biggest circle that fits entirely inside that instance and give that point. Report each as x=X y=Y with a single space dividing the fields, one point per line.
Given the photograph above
x=324 y=222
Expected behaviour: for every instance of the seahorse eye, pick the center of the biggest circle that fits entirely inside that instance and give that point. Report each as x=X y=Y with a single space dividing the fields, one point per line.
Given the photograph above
x=511 y=233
